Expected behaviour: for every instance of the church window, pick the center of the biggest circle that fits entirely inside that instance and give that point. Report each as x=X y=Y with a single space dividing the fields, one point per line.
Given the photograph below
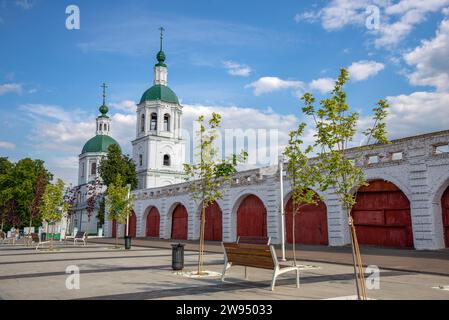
x=166 y=122
x=140 y=160
x=82 y=170
x=153 y=124
x=142 y=123
x=166 y=160
x=100 y=126
x=93 y=169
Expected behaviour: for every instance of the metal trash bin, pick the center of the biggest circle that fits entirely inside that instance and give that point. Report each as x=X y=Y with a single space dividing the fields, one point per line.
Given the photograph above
x=177 y=256
x=127 y=242
x=43 y=236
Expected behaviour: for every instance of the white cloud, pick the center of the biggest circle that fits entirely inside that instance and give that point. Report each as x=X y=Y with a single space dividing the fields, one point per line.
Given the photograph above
x=125 y=105
x=270 y=84
x=236 y=69
x=397 y=20
x=7 y=145
x=324 y=85
x=364 y=69
x=431 y=60
x=10 y=87
x=417 y=113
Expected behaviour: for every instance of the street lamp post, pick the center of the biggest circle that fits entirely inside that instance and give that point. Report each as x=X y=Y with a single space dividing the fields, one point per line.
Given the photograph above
x=281 y=182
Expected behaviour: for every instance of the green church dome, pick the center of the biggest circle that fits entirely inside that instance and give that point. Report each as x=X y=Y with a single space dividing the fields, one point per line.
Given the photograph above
x=99 y=143
x=160 y=92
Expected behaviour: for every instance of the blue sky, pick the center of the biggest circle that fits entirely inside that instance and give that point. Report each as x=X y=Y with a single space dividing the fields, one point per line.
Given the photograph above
x=252 y=58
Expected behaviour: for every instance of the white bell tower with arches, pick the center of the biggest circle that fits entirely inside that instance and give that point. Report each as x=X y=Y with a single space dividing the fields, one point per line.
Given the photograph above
x=159 y=149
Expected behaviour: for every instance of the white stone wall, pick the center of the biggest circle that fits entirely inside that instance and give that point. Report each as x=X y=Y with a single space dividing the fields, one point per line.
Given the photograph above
x=421 y=174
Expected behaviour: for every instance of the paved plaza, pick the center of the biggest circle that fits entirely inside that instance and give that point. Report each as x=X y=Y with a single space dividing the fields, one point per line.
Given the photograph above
x=145 y=273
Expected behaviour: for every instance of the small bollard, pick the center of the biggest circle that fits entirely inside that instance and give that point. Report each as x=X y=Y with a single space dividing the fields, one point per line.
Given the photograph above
x=178 y=256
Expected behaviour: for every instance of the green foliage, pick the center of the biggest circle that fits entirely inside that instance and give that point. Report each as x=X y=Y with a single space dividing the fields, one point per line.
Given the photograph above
x=118 y=202
x=53 y=205
x=19 y=183
x=101 y=211
x=336 y=128
x=115 y=164
x=211 y=172
x=303 y=177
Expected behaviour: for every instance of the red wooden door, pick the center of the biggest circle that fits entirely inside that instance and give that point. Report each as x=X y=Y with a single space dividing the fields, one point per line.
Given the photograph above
x=114 y=229
x=153 y=221
x=179 y=223
x=382 y=216
x=213 y=227
x=252 y=218
x=310 y=223
x=132 y=224
x=445 y=209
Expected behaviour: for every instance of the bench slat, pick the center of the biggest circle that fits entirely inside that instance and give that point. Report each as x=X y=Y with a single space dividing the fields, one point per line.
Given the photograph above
x=250 y=255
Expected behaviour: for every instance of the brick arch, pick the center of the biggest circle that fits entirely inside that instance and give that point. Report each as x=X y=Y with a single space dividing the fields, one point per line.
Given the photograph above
x=152 y=222
x=382 y=215
x=310 y=223
x=251 y=217
x=179 y=222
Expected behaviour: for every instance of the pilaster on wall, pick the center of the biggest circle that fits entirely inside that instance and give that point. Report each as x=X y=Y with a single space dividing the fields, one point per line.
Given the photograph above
x=337 y=220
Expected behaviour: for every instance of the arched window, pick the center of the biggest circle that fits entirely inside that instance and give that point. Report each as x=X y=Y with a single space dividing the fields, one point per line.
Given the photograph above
x=142 y=123
x=93 y=169
x=153 y=124
x=140 y=160
x=166 y=160
x=166 y=122
x=100 y=126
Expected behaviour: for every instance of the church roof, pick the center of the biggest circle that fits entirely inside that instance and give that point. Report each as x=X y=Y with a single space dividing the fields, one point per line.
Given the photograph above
x=99 y=143
x=160 y=92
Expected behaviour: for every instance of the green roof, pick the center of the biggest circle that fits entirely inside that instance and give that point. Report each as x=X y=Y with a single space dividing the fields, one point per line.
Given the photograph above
x=99 y=143
x=160 y=92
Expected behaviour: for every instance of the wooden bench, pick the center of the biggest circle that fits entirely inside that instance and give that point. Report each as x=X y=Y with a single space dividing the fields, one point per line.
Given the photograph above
x=36 y=239
x=257 y=256
x=253 y=240
x=80 y=236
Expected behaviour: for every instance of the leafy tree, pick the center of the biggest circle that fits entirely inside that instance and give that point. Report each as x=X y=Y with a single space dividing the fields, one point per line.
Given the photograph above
x=211 y=172
x=39 y=189
x=53 y=205
x=303 y=176
x=336 y=128
x=114 y=164
x=118 y=202
x=6 y=184
x=18 y=181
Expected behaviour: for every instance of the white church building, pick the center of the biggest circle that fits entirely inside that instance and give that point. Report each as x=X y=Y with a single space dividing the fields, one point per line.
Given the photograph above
x=405 y=205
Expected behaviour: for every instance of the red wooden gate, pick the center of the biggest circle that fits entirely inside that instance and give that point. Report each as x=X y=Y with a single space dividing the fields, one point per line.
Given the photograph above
x=114 y=229
x=213 y=227
x=445 y=208
x=252 y=218
x=132 y=225
x=179 y=223
x=310 y=223
x=153 y=221
x=382 y=216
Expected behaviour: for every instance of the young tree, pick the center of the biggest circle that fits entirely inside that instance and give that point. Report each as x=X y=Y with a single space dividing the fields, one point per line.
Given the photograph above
x=303 y=176
x=37 y=199
x=53 y=205
x=94 y=192
x=118 y=202
x=6 y=190
x=114 y=164
x=210 y=172
x=336 y=128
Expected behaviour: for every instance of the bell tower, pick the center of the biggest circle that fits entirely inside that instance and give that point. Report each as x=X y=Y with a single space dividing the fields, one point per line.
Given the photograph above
x=159 y=149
